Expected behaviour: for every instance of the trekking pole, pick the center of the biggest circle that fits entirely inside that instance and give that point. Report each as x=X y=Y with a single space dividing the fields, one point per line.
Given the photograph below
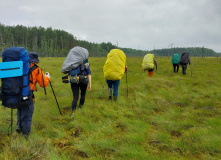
x=127 y=84
x=11 y=122
x=191 y=70
x=55 y=97
x=102 y=89
x=43 y=82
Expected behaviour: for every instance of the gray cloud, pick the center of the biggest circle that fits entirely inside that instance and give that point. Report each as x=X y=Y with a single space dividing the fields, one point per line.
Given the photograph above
x=134 y=24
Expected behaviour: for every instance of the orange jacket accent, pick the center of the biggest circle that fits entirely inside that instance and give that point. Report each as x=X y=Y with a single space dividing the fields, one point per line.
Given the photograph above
x=37 y=76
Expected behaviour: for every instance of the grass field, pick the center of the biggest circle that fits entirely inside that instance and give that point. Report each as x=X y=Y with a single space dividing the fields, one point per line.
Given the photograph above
x=169 y=116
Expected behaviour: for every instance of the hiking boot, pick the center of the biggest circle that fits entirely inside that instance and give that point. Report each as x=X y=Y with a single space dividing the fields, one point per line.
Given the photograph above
x=25 y=136
x=80 y=106
x=110 y=93
x=18 y=129
x=72 y=116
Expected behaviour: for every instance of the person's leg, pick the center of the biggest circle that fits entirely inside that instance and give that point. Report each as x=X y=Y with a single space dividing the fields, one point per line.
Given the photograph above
x=18 y=128
x=75 y=91
x=184 y=67
x=83 y=88
x=110 y=84
x=115 y=88
x=25 y=119
x=177 y=68
x=150 y=72
x=174 y=68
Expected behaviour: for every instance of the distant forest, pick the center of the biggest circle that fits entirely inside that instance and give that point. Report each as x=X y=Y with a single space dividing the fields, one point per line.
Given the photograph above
x=48 y=42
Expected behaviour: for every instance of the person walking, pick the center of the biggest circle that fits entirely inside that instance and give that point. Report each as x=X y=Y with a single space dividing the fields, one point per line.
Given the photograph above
x=184 y=60
x=79 y=74
x=175 y=61
x=149 y=62
x=25 y=113
x=114 y=69
x=82 y=70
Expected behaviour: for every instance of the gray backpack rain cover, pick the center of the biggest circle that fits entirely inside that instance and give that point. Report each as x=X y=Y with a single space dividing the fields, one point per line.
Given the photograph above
x=76 y=56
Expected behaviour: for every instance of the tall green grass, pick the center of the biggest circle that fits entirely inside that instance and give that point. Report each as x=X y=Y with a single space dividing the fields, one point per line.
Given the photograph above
x=169 y=116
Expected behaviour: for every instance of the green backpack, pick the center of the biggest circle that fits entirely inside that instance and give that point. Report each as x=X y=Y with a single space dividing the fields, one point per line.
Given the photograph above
x=175 y=59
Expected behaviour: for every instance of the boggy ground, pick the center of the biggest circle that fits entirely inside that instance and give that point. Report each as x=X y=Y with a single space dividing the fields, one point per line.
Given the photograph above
x=168 y=116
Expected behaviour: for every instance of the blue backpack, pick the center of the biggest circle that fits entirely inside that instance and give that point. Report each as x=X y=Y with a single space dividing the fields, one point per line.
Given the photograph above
x=14 y=74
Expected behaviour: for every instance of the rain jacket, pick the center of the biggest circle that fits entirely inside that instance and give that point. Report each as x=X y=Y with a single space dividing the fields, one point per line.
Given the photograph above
x=37 y=75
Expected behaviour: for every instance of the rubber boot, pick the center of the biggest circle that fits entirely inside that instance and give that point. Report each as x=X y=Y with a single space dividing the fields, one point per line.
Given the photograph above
x=110 y=93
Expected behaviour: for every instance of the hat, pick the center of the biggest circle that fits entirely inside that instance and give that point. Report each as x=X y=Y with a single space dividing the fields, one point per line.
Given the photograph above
x=33 y=57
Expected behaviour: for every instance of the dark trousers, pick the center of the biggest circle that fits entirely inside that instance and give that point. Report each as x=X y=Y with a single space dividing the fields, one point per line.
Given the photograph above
x=113 y=84
x=175 y=68
x=184 y=67
x=24 y=117
x=75 y=90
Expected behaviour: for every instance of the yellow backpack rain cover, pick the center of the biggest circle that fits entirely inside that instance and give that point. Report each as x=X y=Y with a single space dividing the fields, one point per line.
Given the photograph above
x=148 y=61
x=114 y=66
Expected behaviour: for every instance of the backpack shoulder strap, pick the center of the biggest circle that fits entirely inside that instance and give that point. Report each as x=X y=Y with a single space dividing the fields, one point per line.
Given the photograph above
x=30 y=72
x=33 y=68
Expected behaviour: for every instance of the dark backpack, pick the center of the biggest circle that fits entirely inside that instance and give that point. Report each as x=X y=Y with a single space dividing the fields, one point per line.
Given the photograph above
x=13 y=89
x=184 y=58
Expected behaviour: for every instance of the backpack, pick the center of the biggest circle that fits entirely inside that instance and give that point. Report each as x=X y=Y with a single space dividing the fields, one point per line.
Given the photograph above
x=114 y=67
x=148 y=61
x=75 y=57
x=77 y=75
x=14 y=88
x=175 y=59
x=184 y=58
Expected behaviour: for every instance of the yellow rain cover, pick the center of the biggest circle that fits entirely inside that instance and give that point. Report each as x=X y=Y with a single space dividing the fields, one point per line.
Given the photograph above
x=114 y=66
x=148 y=61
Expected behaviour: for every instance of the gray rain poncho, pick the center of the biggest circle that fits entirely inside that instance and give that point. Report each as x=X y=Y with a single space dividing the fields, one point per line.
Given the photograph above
x=76 y=56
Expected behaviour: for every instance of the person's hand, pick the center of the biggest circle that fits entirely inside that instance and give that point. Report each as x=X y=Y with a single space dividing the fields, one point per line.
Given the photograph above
x=89 y=87
x=125 y=69
x=47 y=75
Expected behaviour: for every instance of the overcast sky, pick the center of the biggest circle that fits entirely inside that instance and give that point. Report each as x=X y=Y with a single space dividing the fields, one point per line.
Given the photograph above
x=137 y=24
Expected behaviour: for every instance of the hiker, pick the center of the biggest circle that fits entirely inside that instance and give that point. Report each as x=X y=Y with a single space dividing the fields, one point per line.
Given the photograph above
x=79 y=74
x=175 y=61
x=149 y=62
x=83 y=69
x=184 y=60
x=25 y=113
x=114 y=69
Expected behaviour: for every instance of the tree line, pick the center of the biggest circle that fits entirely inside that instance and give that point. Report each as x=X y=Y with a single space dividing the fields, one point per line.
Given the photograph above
x=48 y=42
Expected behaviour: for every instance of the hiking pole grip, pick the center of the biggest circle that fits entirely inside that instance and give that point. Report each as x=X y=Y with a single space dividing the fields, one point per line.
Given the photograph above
x=55 y=97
